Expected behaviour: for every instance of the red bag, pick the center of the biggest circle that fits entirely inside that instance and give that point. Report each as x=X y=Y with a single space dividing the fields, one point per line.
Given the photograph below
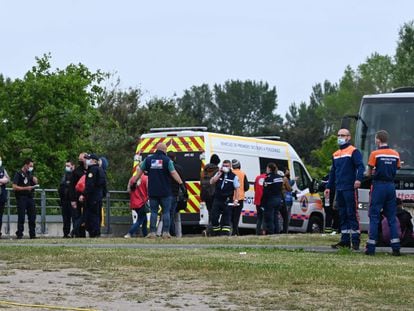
x=80 y=186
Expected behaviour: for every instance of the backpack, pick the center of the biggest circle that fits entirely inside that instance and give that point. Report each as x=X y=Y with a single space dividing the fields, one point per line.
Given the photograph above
x=386 y=234
x=80 y=185
x=207 y=189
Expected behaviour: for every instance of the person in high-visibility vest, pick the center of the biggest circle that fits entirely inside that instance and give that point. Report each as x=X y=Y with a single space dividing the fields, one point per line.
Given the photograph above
x=383 y=164
x=346 y=174
x=226 y=183
x=244 y=186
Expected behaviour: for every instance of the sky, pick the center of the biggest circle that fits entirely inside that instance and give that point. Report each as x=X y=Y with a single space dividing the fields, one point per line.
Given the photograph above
x=166 y=46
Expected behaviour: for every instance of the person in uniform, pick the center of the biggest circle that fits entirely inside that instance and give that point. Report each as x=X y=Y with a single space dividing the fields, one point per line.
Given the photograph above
x=244 y=186
x=24 y=184
x=159 y=167
x=4 y=179
x=95 y=183
x=64 y=195
x=383 y=164
x=227 y=189
x=346 y=174
x=272 y=198
x=78 y=207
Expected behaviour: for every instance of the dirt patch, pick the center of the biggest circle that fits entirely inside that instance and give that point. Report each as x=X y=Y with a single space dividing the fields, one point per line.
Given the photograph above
x=76 y=288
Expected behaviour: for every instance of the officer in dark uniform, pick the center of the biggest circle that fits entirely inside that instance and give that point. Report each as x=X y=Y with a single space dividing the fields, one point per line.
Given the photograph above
x=382 y=166
x=24 y=184
x=272 y=199
x=159 y=168
x=95 y=184
x=78 y=209
x=227 y=188
x=4 y=179
x=64 y=194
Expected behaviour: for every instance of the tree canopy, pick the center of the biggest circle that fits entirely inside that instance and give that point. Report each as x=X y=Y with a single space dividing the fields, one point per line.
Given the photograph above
x=51 y=115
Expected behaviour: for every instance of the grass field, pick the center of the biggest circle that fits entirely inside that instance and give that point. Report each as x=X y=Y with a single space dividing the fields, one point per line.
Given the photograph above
x=216 y=278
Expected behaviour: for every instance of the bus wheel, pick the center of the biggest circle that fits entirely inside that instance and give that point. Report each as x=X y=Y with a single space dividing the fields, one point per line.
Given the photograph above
x=315 y=225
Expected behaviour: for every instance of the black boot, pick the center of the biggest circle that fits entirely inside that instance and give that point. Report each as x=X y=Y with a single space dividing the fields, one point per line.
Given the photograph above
x=341 y=245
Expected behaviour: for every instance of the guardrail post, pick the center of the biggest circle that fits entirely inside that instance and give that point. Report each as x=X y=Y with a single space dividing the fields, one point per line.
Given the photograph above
x=108 y=212
x=43 y=212
x=8 y=214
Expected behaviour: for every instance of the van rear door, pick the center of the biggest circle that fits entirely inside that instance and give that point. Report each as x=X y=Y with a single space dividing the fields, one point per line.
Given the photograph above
x=188 y=150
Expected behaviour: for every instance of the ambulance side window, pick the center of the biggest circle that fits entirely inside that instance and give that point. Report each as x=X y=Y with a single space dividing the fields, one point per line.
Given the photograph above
x=282 y=165
x=302 y=179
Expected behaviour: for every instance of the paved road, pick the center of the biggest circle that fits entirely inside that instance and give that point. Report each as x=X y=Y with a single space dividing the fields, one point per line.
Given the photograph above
x=319 y=249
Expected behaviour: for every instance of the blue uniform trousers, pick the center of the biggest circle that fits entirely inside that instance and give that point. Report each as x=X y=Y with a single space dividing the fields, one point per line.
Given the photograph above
x=92 y=210
x=25 y=204
x=382 y=198
x=348 y=216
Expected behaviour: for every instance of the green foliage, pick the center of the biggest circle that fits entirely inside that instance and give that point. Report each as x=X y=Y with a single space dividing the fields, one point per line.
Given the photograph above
x=237 y=107
x=48 y=116
x=404 y=57
x=376 y=74
x=322 y=157
x=304 y=129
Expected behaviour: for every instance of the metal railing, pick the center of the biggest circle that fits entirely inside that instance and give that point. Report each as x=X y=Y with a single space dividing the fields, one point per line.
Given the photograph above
x=115 y=207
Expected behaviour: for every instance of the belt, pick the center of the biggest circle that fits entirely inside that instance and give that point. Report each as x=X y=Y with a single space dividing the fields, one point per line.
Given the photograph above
x=382 y=181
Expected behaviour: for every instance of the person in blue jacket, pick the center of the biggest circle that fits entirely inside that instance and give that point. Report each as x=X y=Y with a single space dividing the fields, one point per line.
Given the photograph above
x=346 y=174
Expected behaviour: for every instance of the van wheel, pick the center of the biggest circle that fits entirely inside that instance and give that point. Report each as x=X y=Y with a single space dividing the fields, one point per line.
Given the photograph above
x=315 y=225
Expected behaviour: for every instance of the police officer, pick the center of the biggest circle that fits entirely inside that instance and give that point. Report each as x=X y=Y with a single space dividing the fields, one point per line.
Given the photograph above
x=346 y=175
x=24 y=184
x=95 y=183
x=64 y=194
x=272 y=198
x=226 y=191
x=4 y=179
x=78 y=209
x=382 y=166
x=159 y=168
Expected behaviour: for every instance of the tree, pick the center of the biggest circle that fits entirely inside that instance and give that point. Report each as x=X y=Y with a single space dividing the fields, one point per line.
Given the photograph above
x=404 y=56
x=197 y=104
x=48 y=116
x=376 y=74
x=304 y=128
x=244 y=108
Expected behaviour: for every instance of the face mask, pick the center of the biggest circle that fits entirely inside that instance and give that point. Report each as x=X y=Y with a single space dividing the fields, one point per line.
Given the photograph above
x=30 y=169
x=1 y=163
x=341 y=141
x=88 y=162
x=68 y=169
x=225 y=169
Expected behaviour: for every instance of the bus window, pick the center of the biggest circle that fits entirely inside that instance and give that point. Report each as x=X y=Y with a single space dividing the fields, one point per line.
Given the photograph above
x=302 y=179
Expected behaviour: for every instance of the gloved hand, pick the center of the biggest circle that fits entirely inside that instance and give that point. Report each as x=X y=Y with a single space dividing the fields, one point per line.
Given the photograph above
x=183 y=190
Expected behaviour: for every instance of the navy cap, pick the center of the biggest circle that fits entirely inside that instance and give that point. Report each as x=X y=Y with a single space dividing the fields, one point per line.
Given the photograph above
x=91 y=156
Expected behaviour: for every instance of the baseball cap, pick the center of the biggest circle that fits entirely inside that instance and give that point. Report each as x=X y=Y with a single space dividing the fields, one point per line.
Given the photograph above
x=91 y=156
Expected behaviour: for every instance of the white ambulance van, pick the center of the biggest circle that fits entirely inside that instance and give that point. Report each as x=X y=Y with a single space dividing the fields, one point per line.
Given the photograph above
x=194 y=147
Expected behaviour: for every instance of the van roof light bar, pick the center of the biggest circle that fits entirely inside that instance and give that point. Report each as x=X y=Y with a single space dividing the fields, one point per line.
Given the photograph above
x=170 y=129
x=268 y=137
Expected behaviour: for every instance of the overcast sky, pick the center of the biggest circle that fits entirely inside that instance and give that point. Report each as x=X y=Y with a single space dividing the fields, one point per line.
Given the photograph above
x=165 y=47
